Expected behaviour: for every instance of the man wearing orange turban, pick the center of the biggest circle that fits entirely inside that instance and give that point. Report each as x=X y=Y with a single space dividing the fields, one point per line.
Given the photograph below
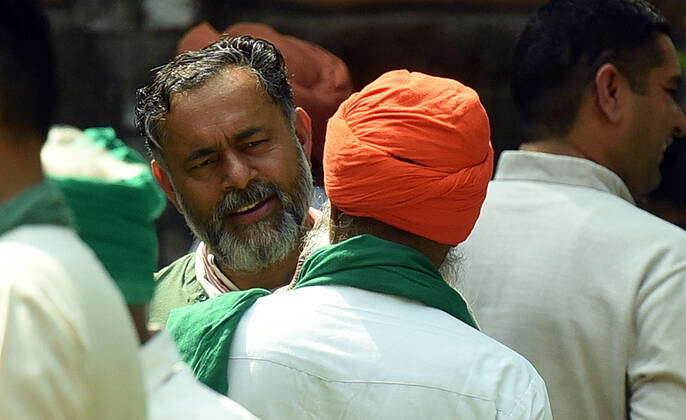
x=370 y=328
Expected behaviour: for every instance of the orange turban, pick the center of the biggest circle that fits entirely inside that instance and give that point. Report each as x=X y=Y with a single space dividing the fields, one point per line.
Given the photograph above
x=320 y=80
x=412 y=151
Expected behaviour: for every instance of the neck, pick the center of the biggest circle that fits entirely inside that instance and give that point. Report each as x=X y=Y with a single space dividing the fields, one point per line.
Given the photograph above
x=21 y=164
x=555 y=147
x=344 y=227
x=273 y=276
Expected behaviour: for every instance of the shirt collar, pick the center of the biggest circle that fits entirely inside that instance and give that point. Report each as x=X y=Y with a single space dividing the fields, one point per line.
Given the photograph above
x=160 y=360
x=559 y=169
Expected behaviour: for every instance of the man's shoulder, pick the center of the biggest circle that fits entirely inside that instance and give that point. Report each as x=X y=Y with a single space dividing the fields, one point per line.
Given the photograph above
x=191 y=398
x=176 y=286
x=181 y=271
x=52 y=257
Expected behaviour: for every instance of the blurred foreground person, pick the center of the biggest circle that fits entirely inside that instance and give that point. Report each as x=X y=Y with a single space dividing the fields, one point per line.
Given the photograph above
x=99 y=175
x=562 y=266
x=231 y=152
x=67 y=345
x=320 y=80
x=371 y=329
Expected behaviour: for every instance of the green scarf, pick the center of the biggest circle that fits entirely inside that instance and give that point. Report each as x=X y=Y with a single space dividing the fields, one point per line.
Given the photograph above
x=41 y=204
x=204 y=331
x=116 y=218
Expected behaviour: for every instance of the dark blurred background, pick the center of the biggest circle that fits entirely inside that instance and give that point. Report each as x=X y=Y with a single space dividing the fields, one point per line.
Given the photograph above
x=106 y=49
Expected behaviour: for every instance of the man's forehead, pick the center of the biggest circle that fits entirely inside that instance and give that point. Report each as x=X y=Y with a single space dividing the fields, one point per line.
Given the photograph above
x=229 y=81
x=225 y=107
x=670 y=60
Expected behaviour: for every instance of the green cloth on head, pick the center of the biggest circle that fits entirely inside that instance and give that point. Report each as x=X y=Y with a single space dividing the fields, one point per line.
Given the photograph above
x=203 y=332
x=116 y=216
x=41 y=204
x=682 y=60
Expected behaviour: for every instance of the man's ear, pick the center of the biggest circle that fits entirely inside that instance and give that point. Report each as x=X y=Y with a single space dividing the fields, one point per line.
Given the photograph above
x=612 y=91
x=303 y=130
x=163 y=179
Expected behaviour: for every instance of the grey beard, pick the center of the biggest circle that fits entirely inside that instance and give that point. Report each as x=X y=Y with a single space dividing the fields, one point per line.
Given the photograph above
x=258 y=246
x=450 y=267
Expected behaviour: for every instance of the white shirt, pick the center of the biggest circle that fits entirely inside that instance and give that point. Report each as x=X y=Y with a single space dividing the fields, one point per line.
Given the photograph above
x=68 y=349
x=174 y=393
x=566 y=270
x=330 y=352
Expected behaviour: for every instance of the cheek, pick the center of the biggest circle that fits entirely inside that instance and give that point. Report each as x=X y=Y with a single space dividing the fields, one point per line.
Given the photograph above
x=199 y=199
x=281 y=168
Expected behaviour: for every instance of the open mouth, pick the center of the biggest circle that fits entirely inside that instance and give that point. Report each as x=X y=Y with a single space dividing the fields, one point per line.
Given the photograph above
x=253 y=212
x=248 y=208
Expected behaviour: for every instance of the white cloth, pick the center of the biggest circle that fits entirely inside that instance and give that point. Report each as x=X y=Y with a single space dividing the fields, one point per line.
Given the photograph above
x=68 y=349
x=204 y=277
x=174 y=393
x=565 y=270
x=330 y=352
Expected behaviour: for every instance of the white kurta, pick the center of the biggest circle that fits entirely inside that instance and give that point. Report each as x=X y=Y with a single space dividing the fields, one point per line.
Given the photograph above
x=174 y=393
x=68 y=349
x=566 y=270
x=335 y=352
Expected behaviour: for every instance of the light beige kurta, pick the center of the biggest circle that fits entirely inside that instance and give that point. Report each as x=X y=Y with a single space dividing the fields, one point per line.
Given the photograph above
x=68 y=350
x=563 y=268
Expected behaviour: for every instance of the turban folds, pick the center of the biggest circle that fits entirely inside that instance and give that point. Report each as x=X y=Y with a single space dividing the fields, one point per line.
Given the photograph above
x=412 y=151
x=115 y=201
x=319 y=79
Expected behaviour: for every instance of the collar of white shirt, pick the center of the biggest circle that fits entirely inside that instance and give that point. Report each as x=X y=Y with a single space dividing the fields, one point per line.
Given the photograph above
x=559 y=169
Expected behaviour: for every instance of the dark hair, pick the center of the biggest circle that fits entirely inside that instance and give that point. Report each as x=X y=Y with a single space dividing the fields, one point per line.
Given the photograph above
x=563 y=46
x=28 y=85
x=193 y=69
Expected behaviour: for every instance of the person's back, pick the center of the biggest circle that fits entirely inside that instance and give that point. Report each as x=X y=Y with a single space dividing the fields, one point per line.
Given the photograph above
x=562 y=266
x=68 y=349
x=355 y=354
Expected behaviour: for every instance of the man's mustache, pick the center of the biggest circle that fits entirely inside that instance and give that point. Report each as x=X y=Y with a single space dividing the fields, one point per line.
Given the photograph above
x=234 y=200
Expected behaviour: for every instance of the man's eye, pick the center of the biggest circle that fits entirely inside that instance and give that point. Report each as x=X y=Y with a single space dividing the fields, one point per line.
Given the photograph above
x=254 y=144
x=202 y=164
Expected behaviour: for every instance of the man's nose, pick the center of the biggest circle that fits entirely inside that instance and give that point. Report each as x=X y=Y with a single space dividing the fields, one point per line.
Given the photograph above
x=238 y=171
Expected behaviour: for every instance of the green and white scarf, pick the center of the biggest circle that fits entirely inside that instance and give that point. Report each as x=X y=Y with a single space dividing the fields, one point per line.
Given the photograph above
x=204 y=331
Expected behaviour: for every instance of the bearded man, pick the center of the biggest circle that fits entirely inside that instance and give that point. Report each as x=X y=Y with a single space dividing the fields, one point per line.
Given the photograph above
x=231 y=152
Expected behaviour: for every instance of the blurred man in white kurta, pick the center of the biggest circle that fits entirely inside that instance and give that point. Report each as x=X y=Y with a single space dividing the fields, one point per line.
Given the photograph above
x=67 y=345
x=562 y=266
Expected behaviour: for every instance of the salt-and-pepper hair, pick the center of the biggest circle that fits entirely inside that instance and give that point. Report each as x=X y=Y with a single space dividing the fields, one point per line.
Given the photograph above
x=193 y=69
